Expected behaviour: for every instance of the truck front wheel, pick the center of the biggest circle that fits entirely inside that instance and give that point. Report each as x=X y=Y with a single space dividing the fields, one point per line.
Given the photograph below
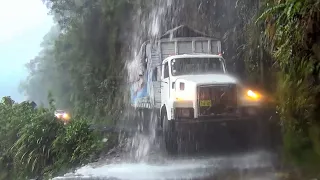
x=169 y=135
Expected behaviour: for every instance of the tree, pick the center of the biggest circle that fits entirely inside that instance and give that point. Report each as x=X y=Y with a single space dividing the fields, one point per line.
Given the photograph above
x=33 y=143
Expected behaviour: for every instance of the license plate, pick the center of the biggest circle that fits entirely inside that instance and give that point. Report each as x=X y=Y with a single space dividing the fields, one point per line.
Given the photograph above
x=205 y=103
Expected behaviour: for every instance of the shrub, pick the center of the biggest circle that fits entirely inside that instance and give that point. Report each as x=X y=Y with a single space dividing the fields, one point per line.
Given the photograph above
x=33 y=143
x=292 y=28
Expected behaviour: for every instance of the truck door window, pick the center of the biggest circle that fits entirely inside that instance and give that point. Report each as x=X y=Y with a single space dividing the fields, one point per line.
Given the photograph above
x=166 y=70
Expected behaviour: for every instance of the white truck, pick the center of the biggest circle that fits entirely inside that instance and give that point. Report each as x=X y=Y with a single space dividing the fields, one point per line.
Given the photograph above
x=184 y=80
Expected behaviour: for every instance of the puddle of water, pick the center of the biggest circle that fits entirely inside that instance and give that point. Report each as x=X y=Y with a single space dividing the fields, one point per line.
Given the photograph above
x=201 y=167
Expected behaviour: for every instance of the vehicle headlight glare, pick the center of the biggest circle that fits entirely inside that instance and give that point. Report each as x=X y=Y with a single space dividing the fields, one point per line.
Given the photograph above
x=66 y=116
x=253 y=95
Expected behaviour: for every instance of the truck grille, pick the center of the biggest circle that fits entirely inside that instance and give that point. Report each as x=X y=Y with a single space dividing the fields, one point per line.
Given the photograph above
x=217 y=99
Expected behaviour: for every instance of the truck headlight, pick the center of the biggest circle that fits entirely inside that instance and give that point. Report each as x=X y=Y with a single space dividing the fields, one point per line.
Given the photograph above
x=66 y=116
x=181 y=93
x=184 y=96
x=251 y=95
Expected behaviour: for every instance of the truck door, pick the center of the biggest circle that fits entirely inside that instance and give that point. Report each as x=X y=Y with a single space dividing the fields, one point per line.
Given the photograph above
x=165 y=84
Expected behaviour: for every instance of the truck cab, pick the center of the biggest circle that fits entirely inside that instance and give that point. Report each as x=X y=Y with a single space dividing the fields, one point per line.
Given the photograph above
x=198 y=86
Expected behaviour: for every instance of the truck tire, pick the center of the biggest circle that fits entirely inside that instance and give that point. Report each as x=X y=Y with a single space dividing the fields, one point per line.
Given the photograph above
x=169 y=135
x=263 y=135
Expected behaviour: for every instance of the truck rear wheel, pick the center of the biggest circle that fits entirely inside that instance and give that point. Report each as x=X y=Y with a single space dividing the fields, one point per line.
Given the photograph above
x=169 y=135
x=263 y=135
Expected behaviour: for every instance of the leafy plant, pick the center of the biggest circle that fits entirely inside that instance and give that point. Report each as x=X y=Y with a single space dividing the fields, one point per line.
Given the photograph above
x=291 y=27
x=34 y=143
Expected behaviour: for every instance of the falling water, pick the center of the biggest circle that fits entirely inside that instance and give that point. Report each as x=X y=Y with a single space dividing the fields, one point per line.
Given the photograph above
x=181 y=169
x=145 y=28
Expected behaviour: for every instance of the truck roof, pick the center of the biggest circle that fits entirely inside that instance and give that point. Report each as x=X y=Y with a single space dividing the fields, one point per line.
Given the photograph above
x=186 y=31
x=192 y=55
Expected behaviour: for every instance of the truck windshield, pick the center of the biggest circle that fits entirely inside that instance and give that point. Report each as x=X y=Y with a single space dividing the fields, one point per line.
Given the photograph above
x=186 y=66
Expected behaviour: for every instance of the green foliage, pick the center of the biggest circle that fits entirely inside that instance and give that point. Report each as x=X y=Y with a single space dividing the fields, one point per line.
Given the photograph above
x=76 y=140
x=291 y=27
x=34 y=143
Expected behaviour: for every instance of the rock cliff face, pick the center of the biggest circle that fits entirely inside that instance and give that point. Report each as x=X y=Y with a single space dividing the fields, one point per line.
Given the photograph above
x=226 y=20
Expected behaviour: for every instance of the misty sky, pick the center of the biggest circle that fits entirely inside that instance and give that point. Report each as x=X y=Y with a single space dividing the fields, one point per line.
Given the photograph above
x=23 y=25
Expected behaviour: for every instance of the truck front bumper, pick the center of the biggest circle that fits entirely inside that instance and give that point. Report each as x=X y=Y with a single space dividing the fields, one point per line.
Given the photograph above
x=241 y=113
x=247 y=117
